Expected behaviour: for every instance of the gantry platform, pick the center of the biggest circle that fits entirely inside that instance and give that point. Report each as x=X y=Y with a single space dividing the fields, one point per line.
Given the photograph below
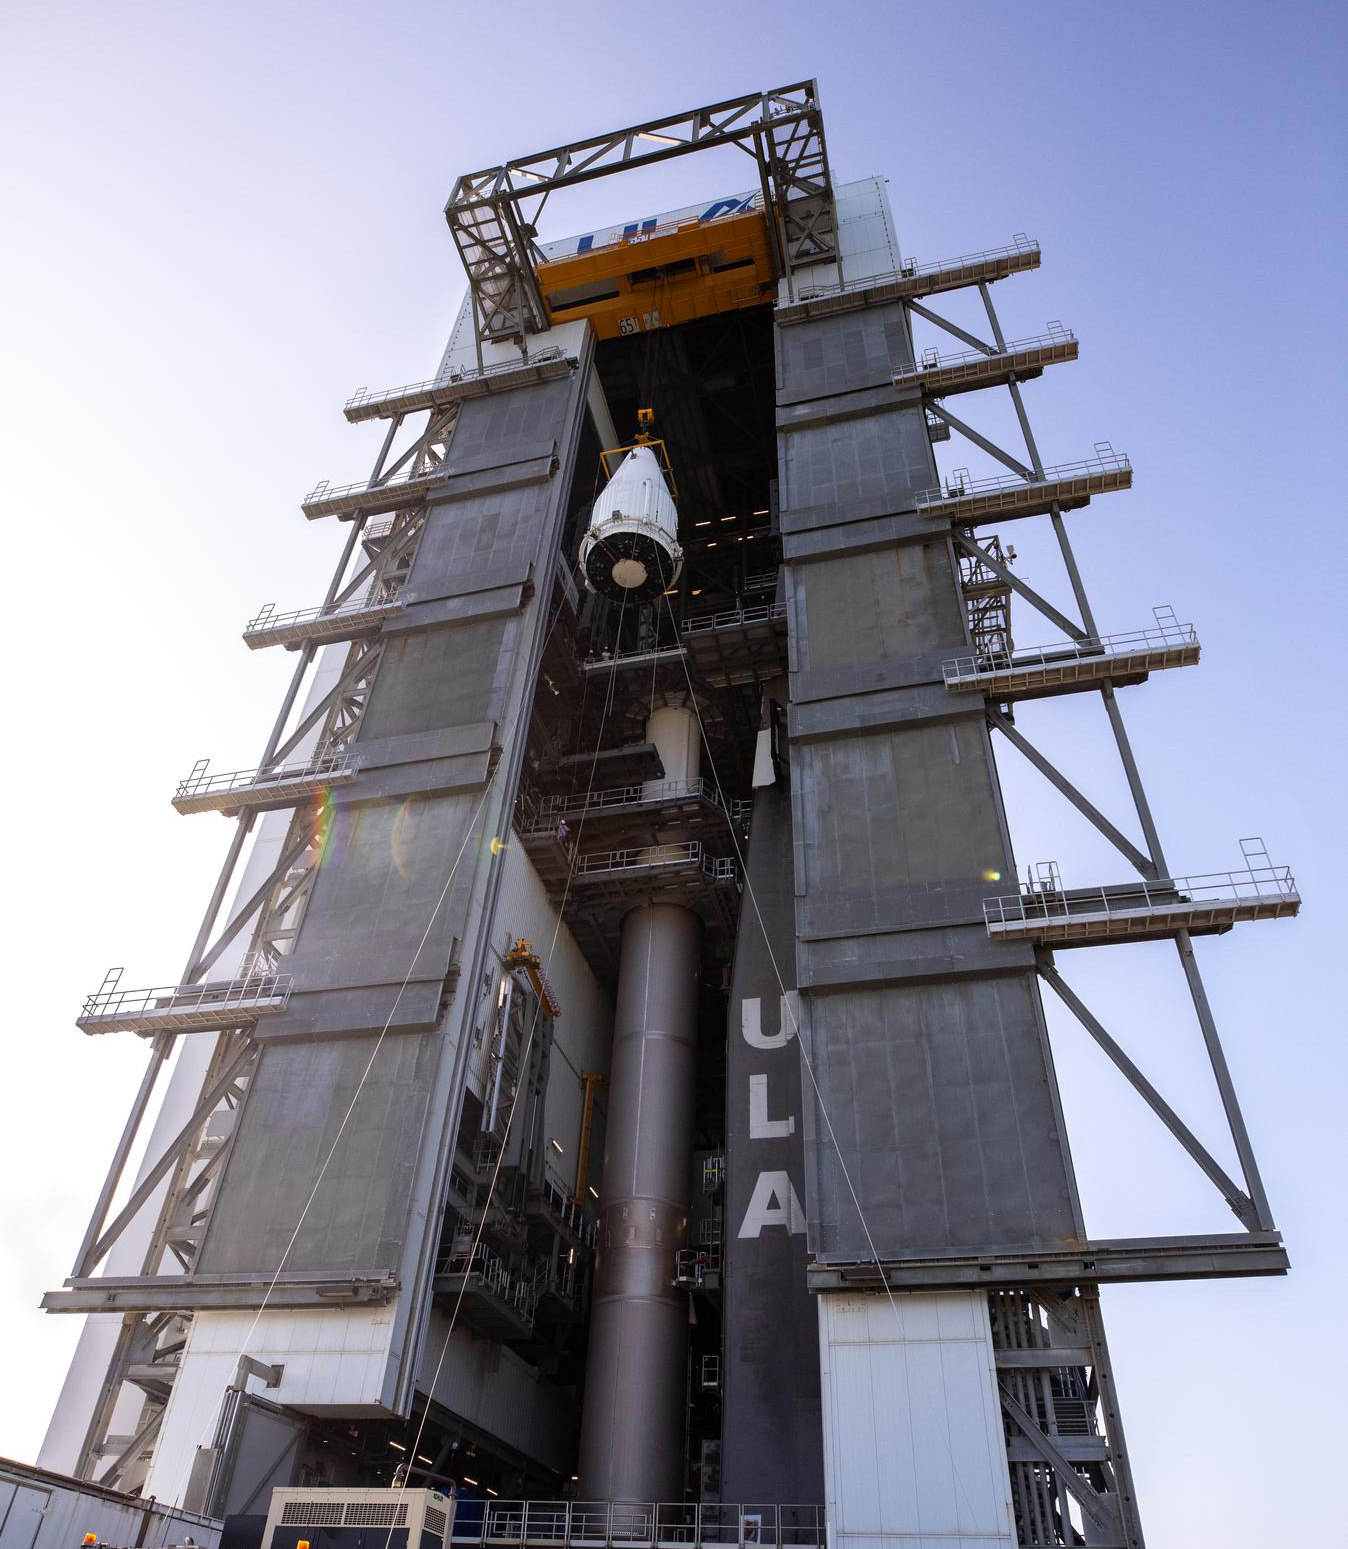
x=1142 y=910
x=455 y=386
x=552 y=829
x=262 y=790
x=635 y=760
x=625 y=661
x=352 y=500
x=491 y=1299
x=913 y=280
x=698 y=1269
x=215 y=1006
x=740 y=645
x=1043 y=671
x=968 y=371
x=324 y=625
x=966 y=502
x=686 y=863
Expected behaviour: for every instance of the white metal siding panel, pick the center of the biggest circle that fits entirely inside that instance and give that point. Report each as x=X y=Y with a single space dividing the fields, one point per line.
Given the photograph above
x=583 y=1034
x=334 y=1364
x=913 y=1444
x=866 y=230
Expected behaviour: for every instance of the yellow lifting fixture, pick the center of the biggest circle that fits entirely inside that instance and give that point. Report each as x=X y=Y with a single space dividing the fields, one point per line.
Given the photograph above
x=523 y=956
x=592 y=1082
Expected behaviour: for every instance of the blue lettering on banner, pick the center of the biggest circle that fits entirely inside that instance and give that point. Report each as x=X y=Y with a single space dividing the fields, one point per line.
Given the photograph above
x=735 y=206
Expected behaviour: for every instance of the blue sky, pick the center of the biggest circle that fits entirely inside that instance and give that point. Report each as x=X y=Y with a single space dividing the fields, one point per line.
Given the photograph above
x=224 y=219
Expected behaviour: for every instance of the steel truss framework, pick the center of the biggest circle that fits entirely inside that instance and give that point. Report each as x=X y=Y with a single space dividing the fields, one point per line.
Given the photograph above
x=782 y=129
x=178 y=1184
x=1070 y=1475
x=1249 y=1203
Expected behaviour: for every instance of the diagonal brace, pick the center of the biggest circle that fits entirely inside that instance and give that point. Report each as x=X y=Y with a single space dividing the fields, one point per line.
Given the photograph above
x=980 y=440
x=1096 y=1506
x=977 y=551
x=951 y=328
x=353 y=674
x=244 y=914
x=151 y=1180
x=1088 y=810
x=1236 y=1197
x=142 y=1436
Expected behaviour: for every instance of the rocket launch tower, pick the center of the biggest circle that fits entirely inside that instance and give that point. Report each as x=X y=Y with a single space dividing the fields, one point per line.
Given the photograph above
x=611 y=1073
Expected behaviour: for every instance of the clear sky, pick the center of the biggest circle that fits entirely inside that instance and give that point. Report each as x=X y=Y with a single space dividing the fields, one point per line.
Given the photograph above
x=221 y=220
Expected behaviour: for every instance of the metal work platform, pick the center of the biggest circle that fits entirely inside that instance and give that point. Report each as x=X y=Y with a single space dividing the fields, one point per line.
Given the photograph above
x=1141 y=910
x=1042 y=671
x=913 y=280
x=639 y=760
x=491 y=1298
x=440 y=392
x=351 y=500
x=624 y=661
x=265 y=789
x=645 y=1525
x=214 y=1006
x=967 y=371
x=547 y=832
x=319 y=626
x=698 y=1269
x=969 y=501
x=671 y=863
x=740 y=645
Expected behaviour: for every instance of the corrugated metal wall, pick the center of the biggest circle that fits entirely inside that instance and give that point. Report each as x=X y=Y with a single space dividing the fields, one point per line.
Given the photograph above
x=913 y=1445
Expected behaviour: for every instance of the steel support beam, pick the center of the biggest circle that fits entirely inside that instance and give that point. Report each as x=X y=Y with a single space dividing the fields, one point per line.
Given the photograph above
x=1238 y=1200
x=1225 y=1086
x=150 y=1181
x=990 y=447
x=976 y=551
x=246 y=911
x=1117 y=1261
x=1088 y=810
x=951 y=328
x=1098 y=1507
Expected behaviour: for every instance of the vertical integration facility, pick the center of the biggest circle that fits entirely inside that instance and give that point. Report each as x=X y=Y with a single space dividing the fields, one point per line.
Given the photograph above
x=612 y=1074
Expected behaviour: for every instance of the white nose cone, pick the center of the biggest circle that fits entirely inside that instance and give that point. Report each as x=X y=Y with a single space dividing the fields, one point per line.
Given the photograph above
x=631 y=549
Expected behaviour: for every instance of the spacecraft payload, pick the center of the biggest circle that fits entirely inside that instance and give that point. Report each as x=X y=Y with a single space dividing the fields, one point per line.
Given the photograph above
x=631 y=549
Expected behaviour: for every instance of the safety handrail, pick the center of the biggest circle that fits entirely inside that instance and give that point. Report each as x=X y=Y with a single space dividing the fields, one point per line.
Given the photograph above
x=320 y=766
x=110 y=1001
x=1173 y=636
x=366 y=395
x=654 y=1525
x=268 y=618
x=957 y=486
x=325 y=491
x=1039 y=341
x=762 y=613
x=1052 y=901
x=913 y=270
x=639 y=793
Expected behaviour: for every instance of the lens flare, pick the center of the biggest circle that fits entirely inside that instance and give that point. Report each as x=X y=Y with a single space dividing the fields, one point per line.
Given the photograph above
x=325 y=826
x=403 y=836
x=992 y=875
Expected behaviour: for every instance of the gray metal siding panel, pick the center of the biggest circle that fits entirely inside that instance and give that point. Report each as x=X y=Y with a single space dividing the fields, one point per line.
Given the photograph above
x=928 y=1038
x=387 y=865
x=299 y=1101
